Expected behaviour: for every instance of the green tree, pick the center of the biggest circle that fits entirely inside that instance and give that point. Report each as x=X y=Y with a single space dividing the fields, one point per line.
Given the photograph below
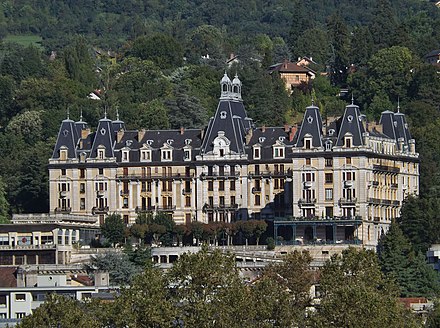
x=162 y=49
x=411 y=272
x=153 y=115
x=59 y=311
x=353 y=287
x=121 y=270
x=146 y=303
x=113 y=229
x=340 y=46
x=4 y=205
x=212 y=290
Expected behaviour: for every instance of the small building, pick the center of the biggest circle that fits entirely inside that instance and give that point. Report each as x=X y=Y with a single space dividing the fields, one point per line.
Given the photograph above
x=433 y=57
x=293 y=74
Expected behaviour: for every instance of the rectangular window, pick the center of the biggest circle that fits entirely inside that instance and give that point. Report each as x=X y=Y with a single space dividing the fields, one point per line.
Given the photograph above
x=4 y=240
x=278 y=152
x=329 y=162
x=257 y=200
x=348 y=160
x=125 y=202
x=232 y=200
x=256 y=153
x=221 y=185
x=308 y=144
x=328 y=194
x=232 y=185
x=222 y=200
x=329 y=178
x=82 y=188
x=186 y=155
x=20 y=297
x=2 y=300
x=82 y=204
x=82 y=173
x=63 y=171
x=188 y=201
x=308 y=161
x=100 y=171
x=210 y=186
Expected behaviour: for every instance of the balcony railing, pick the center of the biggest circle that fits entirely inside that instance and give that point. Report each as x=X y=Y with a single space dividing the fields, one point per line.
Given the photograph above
x=100 y=193
x=347 y=201
x=308 y=184
x=186 y=191
x=374 y=183
x=385 y=168
x=394 y=186
x=144 y=209
x=220 y=207
x=63 y=194
x=217 y=175
x=63 y=210
x=307 y=202
x=100 y=210
x=256 y=190
x=29 y=247
x=155 y=176
x=166 y=208
x=375 y=201
x=267 y=174
x=124 y=193
x=319 y=218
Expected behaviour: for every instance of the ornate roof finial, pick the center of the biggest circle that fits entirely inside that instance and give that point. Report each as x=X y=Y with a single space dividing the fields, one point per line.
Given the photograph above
x=117 y=113
x=313 y=100
x=398 y=104
x=81 y=115
x=352 y=99
x=68 y=112
x=105 y=111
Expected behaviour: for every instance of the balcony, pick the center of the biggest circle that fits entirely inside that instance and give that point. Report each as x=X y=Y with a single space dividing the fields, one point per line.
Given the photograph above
x=348 y=184
x=375 y=183
x=385 y=202
x=307 y=202
x=308 y=184
x=144 y=209
x=29 y=247
x=155 y=176
x=100 y=210
x=100 y=193
x=347 y=201
x=374 y=201
x=63 y=194
x=376 y=219
x=186 y=191
x=256 y=190
x=166 y=208
x=219 y=207
x=394 y=186
x=395 y=203
x=64 y=210
x=386 y=169
x=124 y=193
x=225 y=175
x=356 y=218
x=271 y=174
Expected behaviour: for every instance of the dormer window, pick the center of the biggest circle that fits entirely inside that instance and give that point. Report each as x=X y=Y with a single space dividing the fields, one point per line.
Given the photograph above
x=223 y=115
x=328 y=145
x=166 y=155
x=63 y=153
x=278 y=152
x=145 y=155
x=347 y=142
x=187 y=154
x=101 y=152
x=308 y=143
x=125 y=155
x=257 y=153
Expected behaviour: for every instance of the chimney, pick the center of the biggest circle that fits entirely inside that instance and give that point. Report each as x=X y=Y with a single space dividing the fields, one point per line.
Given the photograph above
x=263 y=128
x=119 y=135
x=249 y=136
x=182 y=130
x=292 y=132
x=202 y=134
x=84 y=133
x=141 y=134
x=286 y=128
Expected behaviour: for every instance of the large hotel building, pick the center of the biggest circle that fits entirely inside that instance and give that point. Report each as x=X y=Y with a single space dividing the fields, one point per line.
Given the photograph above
x=341 y=181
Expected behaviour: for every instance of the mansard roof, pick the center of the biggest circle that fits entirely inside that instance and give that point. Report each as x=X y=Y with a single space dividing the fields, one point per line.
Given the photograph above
x=311 y=127
x=104 y=137
x=230 y=118
x=67 y=139
x=395 y=127
x=351 y=124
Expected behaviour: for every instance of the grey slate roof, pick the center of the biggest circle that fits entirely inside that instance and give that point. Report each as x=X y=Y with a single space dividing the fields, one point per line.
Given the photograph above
x=311 y=126
x=104 y=136
x=67 y=137
x=351 y=123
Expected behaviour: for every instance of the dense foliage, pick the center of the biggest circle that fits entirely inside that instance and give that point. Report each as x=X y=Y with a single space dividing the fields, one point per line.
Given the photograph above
x=205 y=290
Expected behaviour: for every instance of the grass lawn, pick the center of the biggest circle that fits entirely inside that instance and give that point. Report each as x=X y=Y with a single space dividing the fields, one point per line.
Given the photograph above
x=24 y=40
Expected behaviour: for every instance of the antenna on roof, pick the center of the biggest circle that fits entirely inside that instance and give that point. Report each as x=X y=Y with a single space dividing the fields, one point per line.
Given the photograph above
x=398 y=104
